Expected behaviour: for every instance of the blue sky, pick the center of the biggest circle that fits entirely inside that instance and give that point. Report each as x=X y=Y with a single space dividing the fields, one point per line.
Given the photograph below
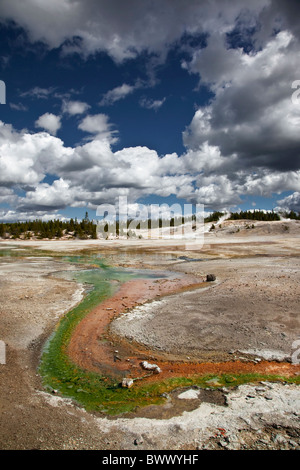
x=161 y=102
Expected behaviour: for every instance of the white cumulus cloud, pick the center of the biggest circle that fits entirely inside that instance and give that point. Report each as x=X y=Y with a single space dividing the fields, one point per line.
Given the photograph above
x=116 y=94
x=50 y=122
x=74 y=107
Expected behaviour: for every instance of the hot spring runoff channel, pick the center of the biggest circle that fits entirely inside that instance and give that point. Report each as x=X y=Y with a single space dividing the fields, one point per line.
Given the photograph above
x=59 y=374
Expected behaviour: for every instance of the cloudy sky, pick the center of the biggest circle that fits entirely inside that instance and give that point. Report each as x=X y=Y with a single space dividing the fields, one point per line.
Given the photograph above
x=161 y=101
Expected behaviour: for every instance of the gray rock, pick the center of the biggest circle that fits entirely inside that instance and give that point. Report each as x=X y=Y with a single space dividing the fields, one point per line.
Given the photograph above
x=127 y=383
x=138 y=441
x=154 y=367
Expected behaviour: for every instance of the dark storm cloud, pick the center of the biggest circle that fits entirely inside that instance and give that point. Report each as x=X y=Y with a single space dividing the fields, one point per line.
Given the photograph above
x=122 y=31
x=278 y=15
x=252 y=115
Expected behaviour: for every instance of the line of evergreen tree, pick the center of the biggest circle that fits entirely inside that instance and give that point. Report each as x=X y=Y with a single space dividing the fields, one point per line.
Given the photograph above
x=214 y=217
x=291 y=215
x=255 y=215
x=51 y=229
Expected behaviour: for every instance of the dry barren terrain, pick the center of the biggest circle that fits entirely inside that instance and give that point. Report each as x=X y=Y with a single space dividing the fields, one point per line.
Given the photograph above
x=247 y=317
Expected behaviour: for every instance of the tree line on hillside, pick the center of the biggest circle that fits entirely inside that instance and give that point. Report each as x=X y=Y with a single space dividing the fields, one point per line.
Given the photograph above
x=214 y=217
x=88 y=228
x=291 y=215
x=255 y=215
x=51 y=229
x=128 y=226
x=264 y=216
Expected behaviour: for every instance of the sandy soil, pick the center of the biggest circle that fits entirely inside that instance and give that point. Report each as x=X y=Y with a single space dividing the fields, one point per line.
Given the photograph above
x=252 y=306
x=248 y=314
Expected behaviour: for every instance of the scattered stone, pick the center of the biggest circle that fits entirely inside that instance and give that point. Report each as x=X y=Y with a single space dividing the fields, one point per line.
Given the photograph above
x=210 y=277
x=260 y=389
x=138 y=441
x=266 y=384
x=268 y=397
x=250 y=395
x=127 y=383
x=223 y=443
x=146 y=365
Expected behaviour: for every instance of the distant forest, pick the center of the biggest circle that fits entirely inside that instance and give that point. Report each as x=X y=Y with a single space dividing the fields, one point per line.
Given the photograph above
x=291 y=215
x=214 y=217
x=52 y=229
x=255 y=215
x=87 y=229
x=264 y=216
